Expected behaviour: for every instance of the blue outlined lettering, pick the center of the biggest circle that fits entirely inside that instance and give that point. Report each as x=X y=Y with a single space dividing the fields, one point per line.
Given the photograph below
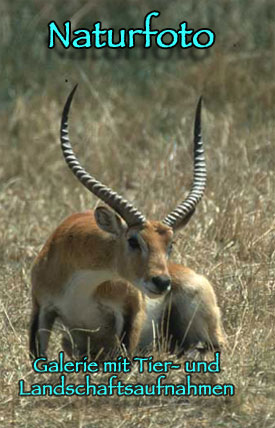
x=121 y=365
x=227 y=387
x=85 y=38
x=83 y=41
x=203 y=366
x=122 y=39
x=216 y=388
x=22 y=391
x=115 y=386
x=131 y=36
x=211 y=38
x=54 y=31
x=98 y=33
x=184 y=33
x=43 y=368
x=71 y=390
x=120 y=389
x=140 y=361
x=147 y=27
x=61 y=366
x=163 y=45
x=155 y=366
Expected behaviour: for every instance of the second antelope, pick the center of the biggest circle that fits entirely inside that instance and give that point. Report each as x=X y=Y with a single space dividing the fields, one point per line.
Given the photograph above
x=106 y=273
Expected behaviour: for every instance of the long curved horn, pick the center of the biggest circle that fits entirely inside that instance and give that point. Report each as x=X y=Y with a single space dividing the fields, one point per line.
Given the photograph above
x=187 y=207
x=126 y=210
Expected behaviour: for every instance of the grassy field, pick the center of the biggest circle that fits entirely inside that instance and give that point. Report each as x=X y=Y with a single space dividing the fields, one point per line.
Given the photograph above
x=131 y=125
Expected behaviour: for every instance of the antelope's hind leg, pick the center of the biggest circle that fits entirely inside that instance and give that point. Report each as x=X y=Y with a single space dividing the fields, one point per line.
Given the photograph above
x=42 y=320
x=76 y=344
x=192 y=313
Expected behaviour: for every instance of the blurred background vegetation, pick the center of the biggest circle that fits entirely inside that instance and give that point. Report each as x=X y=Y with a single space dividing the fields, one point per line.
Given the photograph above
x=234 y=75
x=244 y=30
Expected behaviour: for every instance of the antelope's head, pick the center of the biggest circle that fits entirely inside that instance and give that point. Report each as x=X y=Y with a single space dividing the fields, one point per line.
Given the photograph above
x=142 y=247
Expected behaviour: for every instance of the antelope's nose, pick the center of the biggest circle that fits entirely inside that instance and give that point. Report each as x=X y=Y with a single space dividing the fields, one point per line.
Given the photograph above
x=162 y=282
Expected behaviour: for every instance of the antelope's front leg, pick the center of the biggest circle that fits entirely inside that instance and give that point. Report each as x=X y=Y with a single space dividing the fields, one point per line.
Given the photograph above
x=133 y=323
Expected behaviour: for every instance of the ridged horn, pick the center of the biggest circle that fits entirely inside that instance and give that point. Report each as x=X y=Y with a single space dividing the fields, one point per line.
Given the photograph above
x=126 y=210
x=187 y=207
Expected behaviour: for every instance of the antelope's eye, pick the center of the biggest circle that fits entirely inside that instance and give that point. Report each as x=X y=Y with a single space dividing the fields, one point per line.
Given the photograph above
x=133 y=243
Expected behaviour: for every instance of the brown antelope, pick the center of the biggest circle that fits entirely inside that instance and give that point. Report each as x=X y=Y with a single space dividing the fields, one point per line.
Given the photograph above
x=106 y=275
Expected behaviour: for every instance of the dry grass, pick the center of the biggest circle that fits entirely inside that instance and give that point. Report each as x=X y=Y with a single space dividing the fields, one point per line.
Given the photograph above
x=136 y=137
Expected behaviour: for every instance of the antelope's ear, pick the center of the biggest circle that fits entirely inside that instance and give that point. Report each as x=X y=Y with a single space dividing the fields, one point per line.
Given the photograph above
x=109 y=221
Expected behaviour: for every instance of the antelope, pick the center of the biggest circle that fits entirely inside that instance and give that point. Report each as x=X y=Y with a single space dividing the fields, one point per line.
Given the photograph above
x=106 y=274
